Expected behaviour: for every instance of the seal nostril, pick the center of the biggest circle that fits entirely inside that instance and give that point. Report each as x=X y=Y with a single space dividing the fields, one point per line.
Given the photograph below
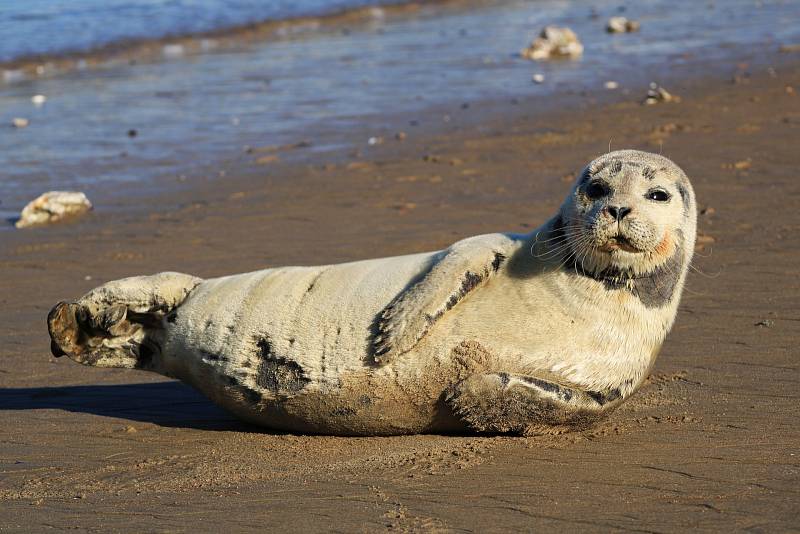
x=618 y=212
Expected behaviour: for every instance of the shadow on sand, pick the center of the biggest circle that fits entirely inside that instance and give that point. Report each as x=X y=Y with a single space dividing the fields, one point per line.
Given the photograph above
x=171 y=404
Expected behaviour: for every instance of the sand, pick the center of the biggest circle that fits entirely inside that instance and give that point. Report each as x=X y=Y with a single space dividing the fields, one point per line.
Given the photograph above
x=710 y=442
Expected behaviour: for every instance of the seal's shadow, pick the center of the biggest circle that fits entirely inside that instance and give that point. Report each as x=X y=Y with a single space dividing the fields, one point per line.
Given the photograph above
x=170 y=404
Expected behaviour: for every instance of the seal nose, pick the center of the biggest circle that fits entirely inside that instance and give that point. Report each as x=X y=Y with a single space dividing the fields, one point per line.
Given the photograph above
x=618 y=212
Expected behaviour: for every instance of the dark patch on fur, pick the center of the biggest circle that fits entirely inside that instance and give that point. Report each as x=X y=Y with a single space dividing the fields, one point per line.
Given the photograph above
x=616 y=166
x=684 y=197
x=276 y=374
x=498 y=260
x=603 y=398
x=648 y=173
x=654 y=289
x=213 y=357
x=562 y=392
x=470 y=282
x=172 y=317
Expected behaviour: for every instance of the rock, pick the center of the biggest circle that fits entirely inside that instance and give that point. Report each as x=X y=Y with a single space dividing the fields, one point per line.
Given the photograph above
x=538 y=78
x=657 y=95
x=38 y=100
x=611 y=85
x=622 y=25
x=20 y=122
x=372 y=141
x=554 y=42
x=52 y=207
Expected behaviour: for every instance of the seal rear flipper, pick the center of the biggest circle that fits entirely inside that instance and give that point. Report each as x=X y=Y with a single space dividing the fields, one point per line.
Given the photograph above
x=503 y=402
x=460 y=269
x=118 y=324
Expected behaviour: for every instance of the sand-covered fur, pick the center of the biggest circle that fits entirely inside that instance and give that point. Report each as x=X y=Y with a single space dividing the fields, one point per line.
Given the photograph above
x=501 y=333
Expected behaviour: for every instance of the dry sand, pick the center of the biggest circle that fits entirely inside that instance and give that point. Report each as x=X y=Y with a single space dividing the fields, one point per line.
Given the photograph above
x=710 y=442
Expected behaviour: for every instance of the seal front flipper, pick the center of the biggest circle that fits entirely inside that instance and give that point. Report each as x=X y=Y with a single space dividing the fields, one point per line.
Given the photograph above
x=502 y=402
x=460 y=269
x=118 y=323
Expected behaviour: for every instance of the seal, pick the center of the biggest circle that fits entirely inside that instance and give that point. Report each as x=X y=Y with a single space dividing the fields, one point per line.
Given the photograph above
x=522 y=333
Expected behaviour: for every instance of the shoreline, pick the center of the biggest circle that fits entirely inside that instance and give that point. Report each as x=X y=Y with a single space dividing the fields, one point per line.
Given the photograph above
x=151 y=49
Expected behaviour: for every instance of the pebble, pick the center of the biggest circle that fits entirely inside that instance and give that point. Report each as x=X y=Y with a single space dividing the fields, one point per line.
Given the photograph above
x=538 y=78
x=622 y=25
x=611 y=85
x=400 y=136
x=372 y=141
x=52 y=207
x=20 y=122
x=38 y=100
x=554 y=42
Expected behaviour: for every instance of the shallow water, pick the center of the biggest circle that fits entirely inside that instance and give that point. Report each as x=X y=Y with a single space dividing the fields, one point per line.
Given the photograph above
x=198 y=109
x=37 y=27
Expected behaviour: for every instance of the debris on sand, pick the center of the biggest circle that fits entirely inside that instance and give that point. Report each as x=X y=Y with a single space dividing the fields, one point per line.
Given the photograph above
x=20 y=122
x=554 y=42
x=658 y=95
x=622 y=25
x=52 y=207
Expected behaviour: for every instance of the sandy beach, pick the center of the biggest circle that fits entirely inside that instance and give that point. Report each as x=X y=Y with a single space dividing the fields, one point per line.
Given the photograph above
x=709 y=443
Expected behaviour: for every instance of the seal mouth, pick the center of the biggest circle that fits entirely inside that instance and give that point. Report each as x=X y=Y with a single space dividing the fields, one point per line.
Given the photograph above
x=619 y=242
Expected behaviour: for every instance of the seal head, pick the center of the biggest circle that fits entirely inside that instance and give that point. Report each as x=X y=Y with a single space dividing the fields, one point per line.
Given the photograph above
x=629 y=215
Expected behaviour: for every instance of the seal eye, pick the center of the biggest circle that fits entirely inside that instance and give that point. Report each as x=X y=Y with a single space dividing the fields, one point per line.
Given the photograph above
x=659 y=195
x=596 y=190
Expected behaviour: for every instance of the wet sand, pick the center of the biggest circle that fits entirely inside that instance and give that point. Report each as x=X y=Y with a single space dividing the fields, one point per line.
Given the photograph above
x=710 y=442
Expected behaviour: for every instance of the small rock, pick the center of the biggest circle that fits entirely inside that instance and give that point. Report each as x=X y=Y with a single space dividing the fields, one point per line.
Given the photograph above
x=789 y=90
x=400 y=136
x=130 y=429
x=38 y=100
x=52 y=207
x=554 y=42
x=622 y=25
x=611 y=85
x=657 y=95
x=20 y=122
x=132 y=132
x=538 y=78
x=372 y=141
x=766 y=323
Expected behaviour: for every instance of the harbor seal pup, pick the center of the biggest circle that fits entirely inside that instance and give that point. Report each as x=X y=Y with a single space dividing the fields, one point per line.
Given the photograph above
x=534 y=333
